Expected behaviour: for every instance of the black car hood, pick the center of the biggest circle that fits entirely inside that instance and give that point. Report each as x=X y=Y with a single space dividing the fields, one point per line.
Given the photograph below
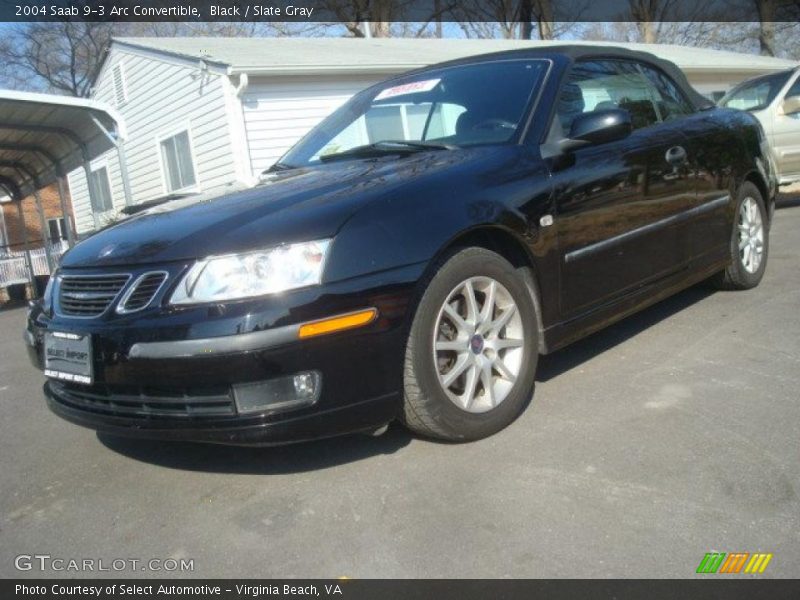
x=291 y=206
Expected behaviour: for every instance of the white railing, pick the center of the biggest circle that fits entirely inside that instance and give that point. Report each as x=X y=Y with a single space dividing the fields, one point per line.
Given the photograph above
x=14 y=265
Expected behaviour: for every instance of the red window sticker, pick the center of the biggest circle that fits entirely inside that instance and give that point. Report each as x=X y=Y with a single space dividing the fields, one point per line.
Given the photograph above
x=408 y=88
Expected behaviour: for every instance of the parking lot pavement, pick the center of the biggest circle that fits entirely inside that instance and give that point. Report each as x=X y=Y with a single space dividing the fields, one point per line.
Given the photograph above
x=669 y=435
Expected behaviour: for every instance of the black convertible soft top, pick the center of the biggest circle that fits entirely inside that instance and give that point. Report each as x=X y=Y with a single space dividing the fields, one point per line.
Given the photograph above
x=583 y=51
x=576 y=52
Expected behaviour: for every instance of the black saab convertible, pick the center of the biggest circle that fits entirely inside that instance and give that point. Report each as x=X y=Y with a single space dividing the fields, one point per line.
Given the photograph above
x=412 y=256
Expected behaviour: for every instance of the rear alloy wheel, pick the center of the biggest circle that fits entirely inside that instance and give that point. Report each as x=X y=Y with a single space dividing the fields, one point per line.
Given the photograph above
x=751 y=235
x=472 y=351
x=749 y=243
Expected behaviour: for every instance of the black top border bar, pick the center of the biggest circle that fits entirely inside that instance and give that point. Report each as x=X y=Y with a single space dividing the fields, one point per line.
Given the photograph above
x=403 y=11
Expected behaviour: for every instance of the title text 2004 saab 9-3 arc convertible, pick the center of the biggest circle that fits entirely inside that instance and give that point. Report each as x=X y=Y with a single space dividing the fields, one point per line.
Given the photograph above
x=412 y=256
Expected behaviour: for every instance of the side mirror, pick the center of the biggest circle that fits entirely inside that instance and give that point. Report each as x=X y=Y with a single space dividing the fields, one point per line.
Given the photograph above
x=791 y=105
x=598 y=127
x=601 y=126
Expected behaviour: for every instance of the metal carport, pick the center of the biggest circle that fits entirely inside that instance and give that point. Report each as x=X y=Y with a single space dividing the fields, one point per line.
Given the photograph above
x=42 y=138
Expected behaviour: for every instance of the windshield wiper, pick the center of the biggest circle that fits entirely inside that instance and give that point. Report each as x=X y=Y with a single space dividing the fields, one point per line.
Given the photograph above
x=279 y=166
x=387 y=147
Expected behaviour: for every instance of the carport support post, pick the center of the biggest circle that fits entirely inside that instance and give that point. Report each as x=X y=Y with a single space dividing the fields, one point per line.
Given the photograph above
x=25 y=248
x=45 y=231
x=62 y=199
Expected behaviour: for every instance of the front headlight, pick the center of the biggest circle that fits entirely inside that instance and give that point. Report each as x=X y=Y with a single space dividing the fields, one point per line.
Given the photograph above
x=235 y=276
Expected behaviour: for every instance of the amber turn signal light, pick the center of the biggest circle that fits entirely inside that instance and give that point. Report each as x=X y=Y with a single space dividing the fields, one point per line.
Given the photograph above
x=340 y=323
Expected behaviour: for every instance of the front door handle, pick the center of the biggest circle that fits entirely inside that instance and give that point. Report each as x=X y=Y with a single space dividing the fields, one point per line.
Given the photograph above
x=676 y=155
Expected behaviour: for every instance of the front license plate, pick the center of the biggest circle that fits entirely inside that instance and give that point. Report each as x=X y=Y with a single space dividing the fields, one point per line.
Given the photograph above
x=68 y=356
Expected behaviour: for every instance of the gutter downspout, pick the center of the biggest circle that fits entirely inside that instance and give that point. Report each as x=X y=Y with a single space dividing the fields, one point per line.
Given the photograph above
x=244 y=81
x=239 y=130
x=119 y=143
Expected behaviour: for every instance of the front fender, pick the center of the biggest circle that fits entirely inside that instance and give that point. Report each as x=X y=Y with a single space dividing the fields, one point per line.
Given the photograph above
x=413 y=224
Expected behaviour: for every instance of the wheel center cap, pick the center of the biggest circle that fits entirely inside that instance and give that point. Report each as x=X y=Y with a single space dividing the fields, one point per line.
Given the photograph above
x=476 y=344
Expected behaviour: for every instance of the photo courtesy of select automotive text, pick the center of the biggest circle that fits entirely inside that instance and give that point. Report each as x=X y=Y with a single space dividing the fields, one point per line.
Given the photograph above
x=391 y=299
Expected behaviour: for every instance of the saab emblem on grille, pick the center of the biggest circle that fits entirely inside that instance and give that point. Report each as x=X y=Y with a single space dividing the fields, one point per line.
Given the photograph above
x=86 y=295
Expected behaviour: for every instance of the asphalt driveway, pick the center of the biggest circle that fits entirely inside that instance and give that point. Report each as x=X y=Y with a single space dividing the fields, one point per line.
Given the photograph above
x=669 y=435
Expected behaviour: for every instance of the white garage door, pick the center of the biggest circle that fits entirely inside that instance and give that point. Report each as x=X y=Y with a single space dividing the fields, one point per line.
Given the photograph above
x=278 y=113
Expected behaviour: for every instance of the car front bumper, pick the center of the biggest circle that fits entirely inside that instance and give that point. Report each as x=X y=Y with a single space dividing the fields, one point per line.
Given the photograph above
x=161 y=375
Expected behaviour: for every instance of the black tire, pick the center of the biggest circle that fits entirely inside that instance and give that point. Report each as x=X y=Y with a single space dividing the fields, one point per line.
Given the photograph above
x=427 y=409
x=736 y=276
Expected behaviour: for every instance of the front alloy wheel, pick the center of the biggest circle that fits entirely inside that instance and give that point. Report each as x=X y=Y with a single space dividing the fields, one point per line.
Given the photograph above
x=478 y=344
x=472 y=350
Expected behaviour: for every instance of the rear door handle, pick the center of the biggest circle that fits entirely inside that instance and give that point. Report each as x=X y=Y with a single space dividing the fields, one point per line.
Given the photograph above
x=676 y=155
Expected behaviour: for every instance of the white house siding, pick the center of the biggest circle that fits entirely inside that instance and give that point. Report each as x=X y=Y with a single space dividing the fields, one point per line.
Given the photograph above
x=80 y=202
x=278 y=111
x=709 y=83
x=163 y=98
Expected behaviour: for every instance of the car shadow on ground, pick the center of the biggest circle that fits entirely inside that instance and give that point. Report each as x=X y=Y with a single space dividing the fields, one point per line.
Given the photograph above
x=322 y=454
x=273 y=460
x=787 y=201
x=553 y=365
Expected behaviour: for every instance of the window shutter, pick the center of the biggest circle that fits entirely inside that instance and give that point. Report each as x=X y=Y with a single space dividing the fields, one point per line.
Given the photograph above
x=120 y=91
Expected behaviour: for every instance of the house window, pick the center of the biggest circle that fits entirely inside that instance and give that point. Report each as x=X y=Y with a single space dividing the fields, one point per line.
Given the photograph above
x=120 y=89
x=176 y=156
x=57 y=229
x=101 y=190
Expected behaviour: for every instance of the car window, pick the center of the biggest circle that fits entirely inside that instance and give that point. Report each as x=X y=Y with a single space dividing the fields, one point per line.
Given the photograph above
x=671 y=101
x=461 y=105
x=405 y=121
x=794 y=90
x=756 y=94
x=603 y=84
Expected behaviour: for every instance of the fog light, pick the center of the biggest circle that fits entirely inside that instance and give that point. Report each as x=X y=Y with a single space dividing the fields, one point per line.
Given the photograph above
x=305 y=385
x=283 y=393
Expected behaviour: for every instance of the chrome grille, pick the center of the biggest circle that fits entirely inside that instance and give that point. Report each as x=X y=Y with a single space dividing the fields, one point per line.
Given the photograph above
x=89 y=295
x=142 y=292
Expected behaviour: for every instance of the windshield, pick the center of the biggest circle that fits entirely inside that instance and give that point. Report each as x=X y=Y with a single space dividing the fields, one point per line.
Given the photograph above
x=756 y=94
x=439 y=109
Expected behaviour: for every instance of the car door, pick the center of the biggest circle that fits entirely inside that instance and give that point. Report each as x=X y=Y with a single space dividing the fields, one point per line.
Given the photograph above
x=786 y=135
x=616 y=201
x=712 y=146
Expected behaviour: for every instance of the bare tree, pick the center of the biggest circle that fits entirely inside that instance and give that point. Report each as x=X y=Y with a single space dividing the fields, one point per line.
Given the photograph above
x=674 y=22
x=520 y=19
x=767 y=26
x=766 y=30
x=357 y=14
x=777 y=19
x=389 y=18
x=649 y=16
x=62 y=56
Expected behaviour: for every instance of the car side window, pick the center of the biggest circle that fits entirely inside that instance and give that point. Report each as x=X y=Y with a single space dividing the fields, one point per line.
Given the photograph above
x=603 y=84
x=671 y=101
x=794 y=91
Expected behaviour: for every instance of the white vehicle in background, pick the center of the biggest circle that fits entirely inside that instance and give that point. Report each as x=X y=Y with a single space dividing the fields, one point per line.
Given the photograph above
x=775 y=101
